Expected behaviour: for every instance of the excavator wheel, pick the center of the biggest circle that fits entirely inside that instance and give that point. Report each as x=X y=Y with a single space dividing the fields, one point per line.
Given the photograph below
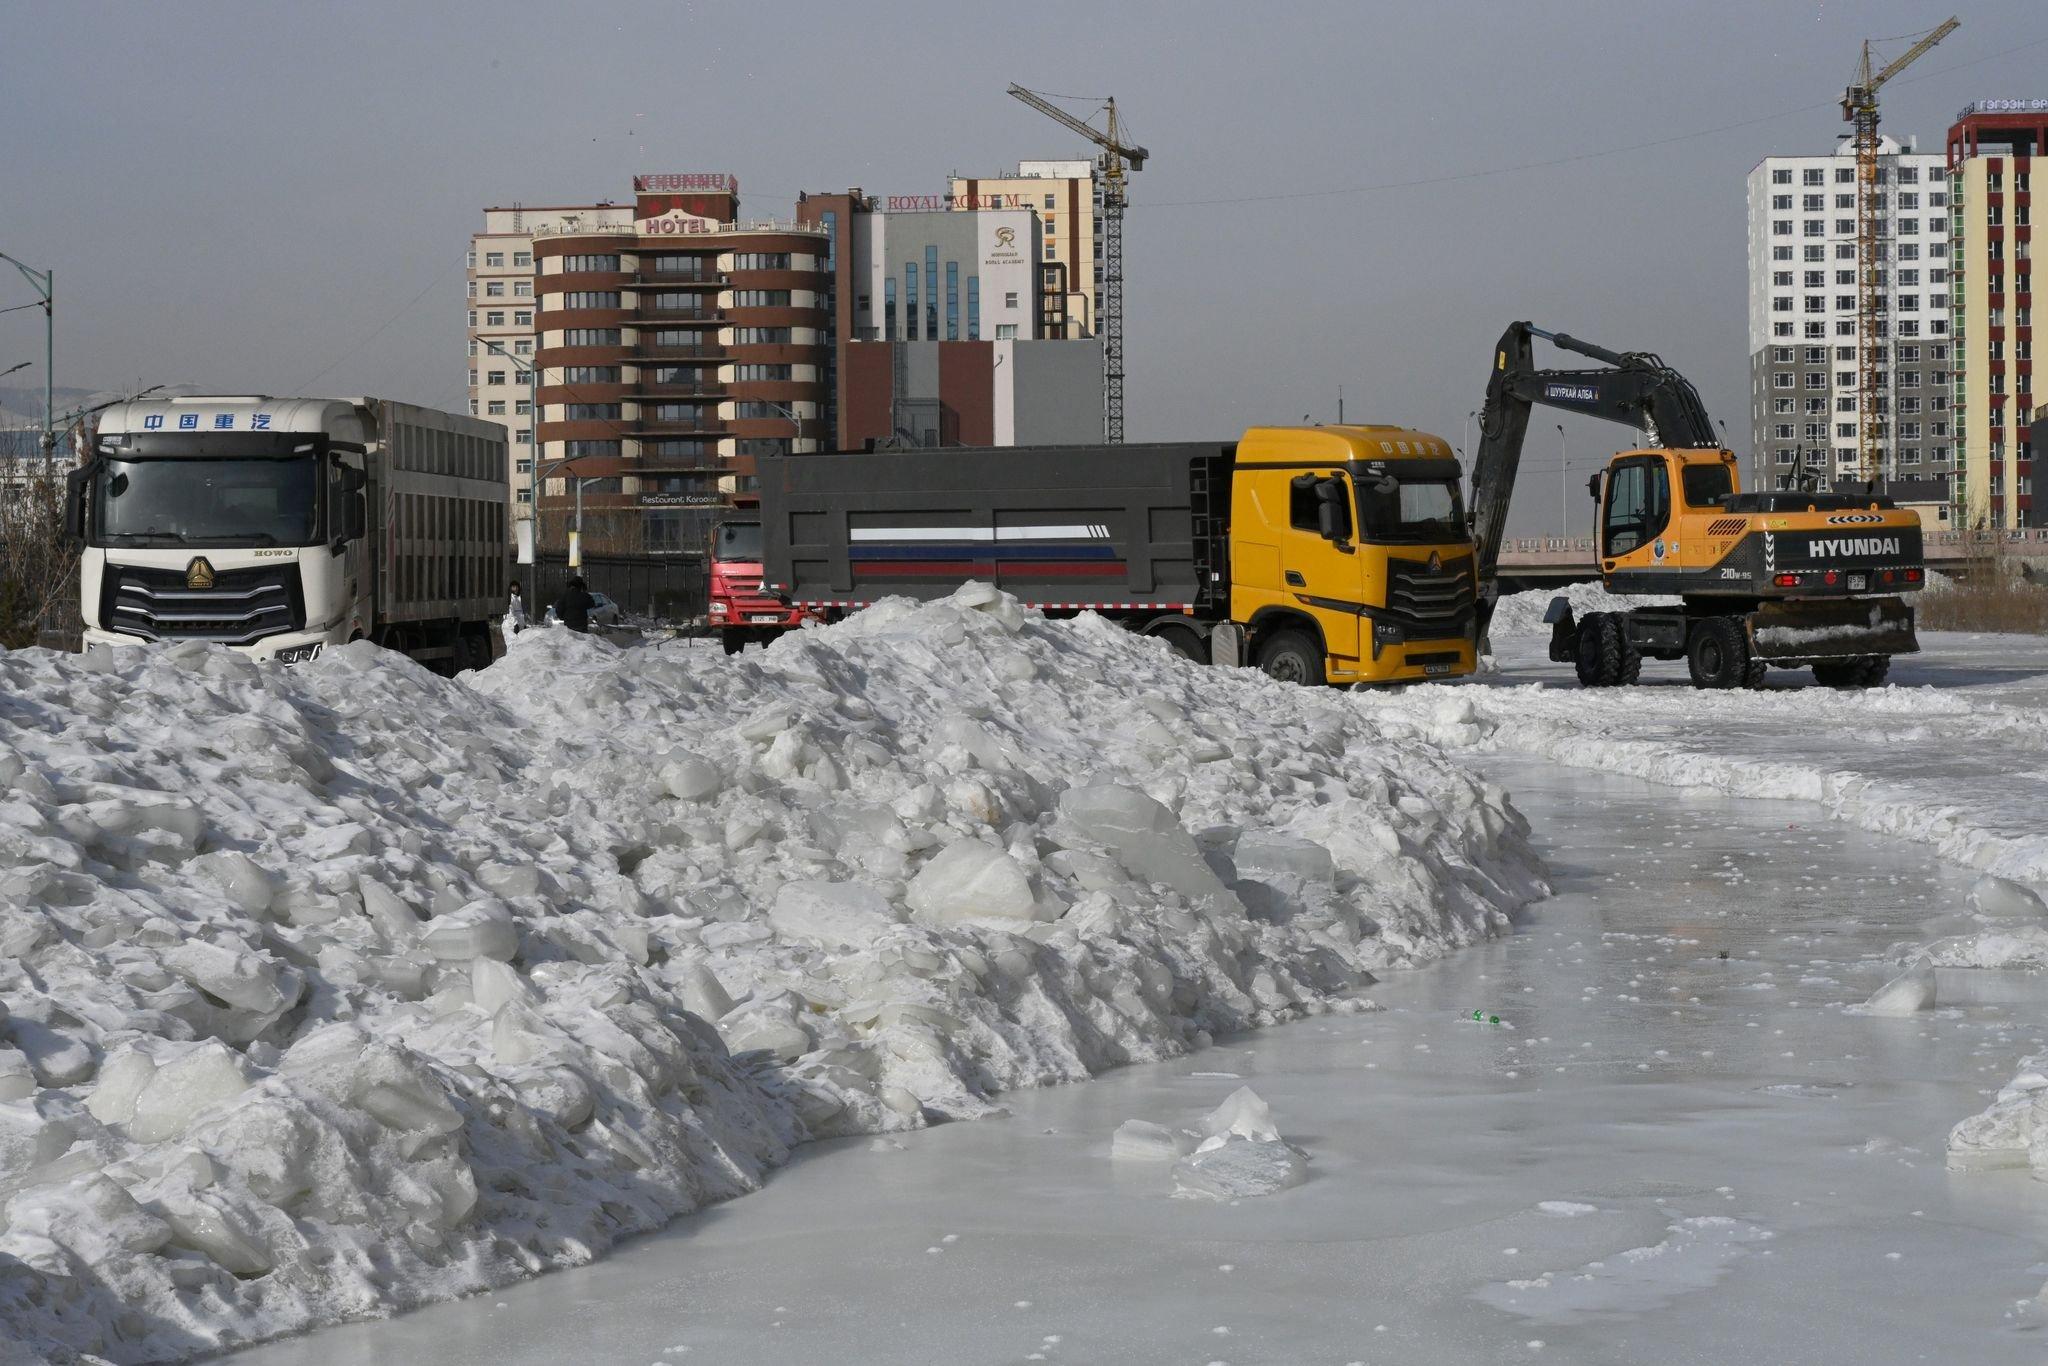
x=1603 y=654
x=1866 y=671
x=1717 y=653
x=1589 y=652
x=1754 y=679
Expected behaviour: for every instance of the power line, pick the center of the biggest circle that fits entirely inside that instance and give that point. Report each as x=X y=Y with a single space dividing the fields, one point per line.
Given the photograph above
x=307 y=386
x=1558 y=161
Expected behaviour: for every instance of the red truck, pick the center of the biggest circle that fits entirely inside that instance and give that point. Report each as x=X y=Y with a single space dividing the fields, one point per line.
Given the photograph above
x=740 y=612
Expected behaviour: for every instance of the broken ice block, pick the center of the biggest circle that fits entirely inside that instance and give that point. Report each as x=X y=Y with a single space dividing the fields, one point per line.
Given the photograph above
x=1910 y=991
x=1238 y=1169
x=1242 y=1113
x=838 y=915
x=481 y=929
x=1138 y=1140
x=968 y=880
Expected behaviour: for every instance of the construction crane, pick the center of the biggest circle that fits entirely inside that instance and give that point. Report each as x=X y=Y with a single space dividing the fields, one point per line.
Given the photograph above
x=1859 y=108
x=1116 y=156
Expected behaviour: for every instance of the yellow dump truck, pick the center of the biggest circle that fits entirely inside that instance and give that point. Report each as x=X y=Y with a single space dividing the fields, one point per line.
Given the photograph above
x=1333 y=554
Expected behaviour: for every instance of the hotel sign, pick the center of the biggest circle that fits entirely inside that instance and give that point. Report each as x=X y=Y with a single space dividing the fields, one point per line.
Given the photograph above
x=676 y=223
x=688 y=182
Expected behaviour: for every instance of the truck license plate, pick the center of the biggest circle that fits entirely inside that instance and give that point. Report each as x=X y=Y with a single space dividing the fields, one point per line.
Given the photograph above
x=1435 y=670
x=769 y=617
x=1858 y=582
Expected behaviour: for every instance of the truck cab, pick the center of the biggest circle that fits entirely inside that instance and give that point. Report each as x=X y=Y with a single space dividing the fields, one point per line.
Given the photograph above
x=1350 y=557
x=740 y=611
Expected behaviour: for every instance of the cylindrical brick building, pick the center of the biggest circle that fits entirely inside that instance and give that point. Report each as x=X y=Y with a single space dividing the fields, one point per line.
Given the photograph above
x=673 y=352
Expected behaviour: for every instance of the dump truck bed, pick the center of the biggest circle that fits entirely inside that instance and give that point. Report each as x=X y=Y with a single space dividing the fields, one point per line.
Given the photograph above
x=1107 y=527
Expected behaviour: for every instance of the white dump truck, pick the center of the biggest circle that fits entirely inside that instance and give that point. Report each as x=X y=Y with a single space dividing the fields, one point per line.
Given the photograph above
x=280 y=526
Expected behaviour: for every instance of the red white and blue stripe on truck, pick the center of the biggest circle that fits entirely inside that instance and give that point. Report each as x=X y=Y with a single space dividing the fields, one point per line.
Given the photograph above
x=1079 y=550
x=940 y=552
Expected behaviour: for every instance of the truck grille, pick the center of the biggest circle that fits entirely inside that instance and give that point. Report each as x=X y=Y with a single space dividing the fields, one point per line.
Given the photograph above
x=1442 y=599
x=242 y=607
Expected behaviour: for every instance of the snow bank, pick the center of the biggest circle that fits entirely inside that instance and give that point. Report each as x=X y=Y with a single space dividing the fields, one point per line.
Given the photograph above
x=1521 y=614
x=1930 y=765
x=336 y=989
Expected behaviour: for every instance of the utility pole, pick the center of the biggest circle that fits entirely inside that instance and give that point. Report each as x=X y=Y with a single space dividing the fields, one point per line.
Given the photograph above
x=45 y=283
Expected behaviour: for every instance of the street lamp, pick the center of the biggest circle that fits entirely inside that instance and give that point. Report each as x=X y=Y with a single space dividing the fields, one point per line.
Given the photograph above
x=44 y=282
x=1564 y=503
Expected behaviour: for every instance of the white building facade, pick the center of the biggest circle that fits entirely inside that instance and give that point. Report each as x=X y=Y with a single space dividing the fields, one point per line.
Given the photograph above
x=1804 y=422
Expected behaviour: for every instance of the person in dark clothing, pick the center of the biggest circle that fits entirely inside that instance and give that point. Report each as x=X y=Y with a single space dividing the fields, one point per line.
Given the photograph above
x=572 y=609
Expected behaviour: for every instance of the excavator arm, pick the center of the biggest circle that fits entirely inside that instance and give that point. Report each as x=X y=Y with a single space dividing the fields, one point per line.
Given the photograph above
x=1637 y=389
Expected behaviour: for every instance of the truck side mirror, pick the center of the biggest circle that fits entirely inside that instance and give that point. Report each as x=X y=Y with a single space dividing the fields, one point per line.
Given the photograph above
x=1593 y=486
x=353 y=480
x=76 y=484
x=1333 y=513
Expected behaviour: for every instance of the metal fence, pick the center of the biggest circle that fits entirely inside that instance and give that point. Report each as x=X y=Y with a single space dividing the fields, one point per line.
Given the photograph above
x=670 y=588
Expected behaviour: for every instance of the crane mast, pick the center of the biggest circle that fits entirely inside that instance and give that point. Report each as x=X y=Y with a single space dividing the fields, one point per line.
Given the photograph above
x=1115 y=154
x=1859 y=110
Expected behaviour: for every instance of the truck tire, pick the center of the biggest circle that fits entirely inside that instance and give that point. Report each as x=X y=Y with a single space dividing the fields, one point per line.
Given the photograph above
x=733 y=641
x=1596 y=654
x=1754 y=679
x=1866 y=671
x=1717 y=653
x=1185 y=642
x=1291 y=657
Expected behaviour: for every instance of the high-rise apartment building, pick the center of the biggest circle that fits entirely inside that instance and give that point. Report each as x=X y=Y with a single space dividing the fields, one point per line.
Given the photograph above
x=1067 y=197
x=1991 y=150
x=1804 y=390
x=674 y=342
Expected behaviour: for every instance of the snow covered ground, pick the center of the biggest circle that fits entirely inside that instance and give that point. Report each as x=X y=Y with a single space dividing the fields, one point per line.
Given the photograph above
x=1953 y=754
x=339 y=989
x=1658 y=1155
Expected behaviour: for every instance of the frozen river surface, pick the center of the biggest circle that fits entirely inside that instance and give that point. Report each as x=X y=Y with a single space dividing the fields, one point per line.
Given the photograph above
x=1677 y=1146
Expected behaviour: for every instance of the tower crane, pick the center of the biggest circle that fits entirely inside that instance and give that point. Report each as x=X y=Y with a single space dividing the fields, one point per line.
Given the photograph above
x=1859 y=108
x=1116 y=156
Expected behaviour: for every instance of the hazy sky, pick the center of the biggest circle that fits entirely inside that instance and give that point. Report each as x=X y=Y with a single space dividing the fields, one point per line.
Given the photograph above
x=277 y=197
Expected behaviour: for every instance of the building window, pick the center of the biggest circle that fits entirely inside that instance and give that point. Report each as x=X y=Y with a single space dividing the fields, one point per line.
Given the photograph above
x=494 y=376
x=974 y=308
x=494 y=289
x=1781 y=227
x=522 y=260
x=1782 y=202
x=889 y=309
x=600 y=336
x=592 y=299
x=526 y=495
x=494 y=318
x=496 y=407
x=522 y=317
x=1781 y=175
x=758 y=298
x=1845 y=175
x=522 y=289
x=760 y=372
x=590 y=374
x=1812 y=175
x=1006 y=331
x=523 y=347
x=522 y=437
x=910 y=301
x=931 y=293
x=524 y=466
x=593 y=412
x=1778 y=381
x=766 y=336
x=577 y=450
x=472 y=289
x=952 y=301
x=1783 y=253
x=523 y=407
x=761 y=260
x=606 y=262
x=1051 y=251
x=494 y=259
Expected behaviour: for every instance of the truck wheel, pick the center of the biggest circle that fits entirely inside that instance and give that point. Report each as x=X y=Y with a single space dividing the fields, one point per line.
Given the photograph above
x=1717 y=653
x=733 y=641
x=1864 y=672
x=1292 y=657
x=1596 y=655
x=1631 y=670
x=1754 y=679
x=1185 y=643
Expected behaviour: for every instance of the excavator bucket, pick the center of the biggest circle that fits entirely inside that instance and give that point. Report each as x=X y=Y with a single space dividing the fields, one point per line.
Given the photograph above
x=1805 y=629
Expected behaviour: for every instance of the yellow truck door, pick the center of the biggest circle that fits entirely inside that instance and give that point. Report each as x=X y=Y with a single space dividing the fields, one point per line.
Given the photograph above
x=1322 y=573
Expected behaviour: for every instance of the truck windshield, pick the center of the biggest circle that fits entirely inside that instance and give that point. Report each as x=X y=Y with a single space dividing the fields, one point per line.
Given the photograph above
x=739 y=541
x=1396 y=511
x=208 y=502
